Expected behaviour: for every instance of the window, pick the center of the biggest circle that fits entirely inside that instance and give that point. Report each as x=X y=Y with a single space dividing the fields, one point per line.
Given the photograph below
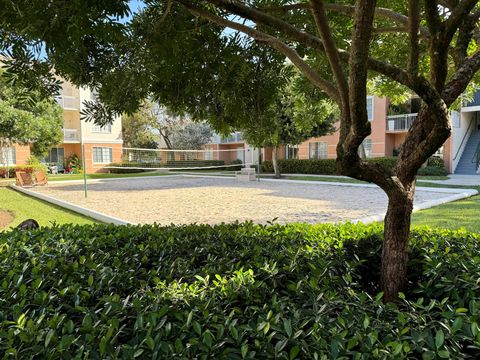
x=291 y=152
x=102 y=155
x=241 y=154
x=55 y=155
x=370 y=108
x=319 y=150
x=106 y=129
x=209 y=154
x=367 y=145
x=8 y=156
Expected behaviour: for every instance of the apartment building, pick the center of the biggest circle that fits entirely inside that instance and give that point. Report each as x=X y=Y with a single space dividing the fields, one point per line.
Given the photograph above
x=390 y=124
x=101 y=145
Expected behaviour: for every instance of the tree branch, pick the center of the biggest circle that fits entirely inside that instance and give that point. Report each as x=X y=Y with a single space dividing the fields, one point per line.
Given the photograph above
x=293 y=34
x=460 y=80
x=348 y=10
x=278 y=45
x=458 y=14
x=413 y=29
x=331 y=50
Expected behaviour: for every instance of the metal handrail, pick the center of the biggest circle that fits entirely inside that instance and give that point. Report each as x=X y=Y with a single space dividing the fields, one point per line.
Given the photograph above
x=464 y=137
x=476 y=157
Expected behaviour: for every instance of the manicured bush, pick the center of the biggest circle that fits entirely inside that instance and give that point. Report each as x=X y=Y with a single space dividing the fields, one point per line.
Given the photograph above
x=432 y=171
x=233 y=291
x=436 y=161
x=126 y=168
x=235 y=168
x=193 y=163
x=318 y=166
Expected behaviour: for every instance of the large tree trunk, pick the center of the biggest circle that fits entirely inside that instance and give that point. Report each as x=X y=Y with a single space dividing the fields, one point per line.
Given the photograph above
x=395 y=245
x=276 y=168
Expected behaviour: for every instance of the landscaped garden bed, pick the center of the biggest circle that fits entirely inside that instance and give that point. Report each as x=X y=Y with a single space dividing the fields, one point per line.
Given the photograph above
x=233 y=291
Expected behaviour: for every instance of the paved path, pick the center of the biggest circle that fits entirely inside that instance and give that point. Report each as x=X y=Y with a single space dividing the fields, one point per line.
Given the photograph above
x=466 y=180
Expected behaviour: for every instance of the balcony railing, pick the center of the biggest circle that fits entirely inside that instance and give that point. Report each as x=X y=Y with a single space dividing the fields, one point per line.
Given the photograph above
x=71 y=135
x=68 y=102
x=234 y=137
x=400 y=122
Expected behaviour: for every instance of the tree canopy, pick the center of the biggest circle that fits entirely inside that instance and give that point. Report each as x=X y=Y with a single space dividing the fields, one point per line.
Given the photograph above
x=26 y=120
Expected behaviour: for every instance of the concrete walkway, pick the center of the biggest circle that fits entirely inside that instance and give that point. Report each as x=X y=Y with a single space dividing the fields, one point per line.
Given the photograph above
x=455 y=179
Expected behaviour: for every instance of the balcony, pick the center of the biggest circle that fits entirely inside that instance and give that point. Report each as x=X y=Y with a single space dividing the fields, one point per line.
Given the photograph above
x=400 y=123
x=71 y=135
x=68 y=102
x=232 y=138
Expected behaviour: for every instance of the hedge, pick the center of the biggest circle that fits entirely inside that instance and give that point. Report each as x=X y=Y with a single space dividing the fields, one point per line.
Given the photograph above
x=233 y=291
x=26 y=168
x=318 y=166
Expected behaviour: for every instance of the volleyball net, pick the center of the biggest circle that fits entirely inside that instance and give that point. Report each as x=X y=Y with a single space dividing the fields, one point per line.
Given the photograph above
x=178 y=160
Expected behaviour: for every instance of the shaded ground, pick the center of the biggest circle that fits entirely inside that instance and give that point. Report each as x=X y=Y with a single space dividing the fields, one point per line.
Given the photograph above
x=181 y=200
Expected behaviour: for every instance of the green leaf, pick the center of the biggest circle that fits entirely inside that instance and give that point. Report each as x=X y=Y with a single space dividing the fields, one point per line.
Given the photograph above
x=457 y=324
x=150 y=342
x=244 y=350
x=197 y=327
x=287 y=326
x=138 y=353
x=366 y=322
x=49 y=336
x=439 y=338
x=294 y=351
x=444 y=354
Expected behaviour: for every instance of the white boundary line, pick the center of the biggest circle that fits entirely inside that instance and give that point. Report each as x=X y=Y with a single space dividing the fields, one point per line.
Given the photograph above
x=78 y=209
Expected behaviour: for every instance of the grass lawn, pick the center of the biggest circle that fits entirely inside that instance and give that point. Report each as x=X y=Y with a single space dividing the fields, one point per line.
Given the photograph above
x=455 y=215
x=25 y=207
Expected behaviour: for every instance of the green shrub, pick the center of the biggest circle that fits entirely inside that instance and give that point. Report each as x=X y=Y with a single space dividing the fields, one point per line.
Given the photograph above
x=235 y=168
x=318 y=166
x=436 y=161
x=193 y=163
x=233 y=291
x=432 y=171
x=126 y=168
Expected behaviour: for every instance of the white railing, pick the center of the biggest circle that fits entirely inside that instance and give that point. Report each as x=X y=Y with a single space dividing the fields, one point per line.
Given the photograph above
x=400 y=122
x=68 y=102
x=71 y=135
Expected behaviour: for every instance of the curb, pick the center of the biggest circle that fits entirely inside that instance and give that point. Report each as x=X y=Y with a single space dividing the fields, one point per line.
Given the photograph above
x=78 y=209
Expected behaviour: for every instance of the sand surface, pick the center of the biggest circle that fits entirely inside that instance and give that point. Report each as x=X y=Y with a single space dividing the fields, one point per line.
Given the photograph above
x=184 y=200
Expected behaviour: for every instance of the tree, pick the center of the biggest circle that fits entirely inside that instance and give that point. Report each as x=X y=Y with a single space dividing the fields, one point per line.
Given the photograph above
x=191 y=136
x=298 y=112
x=137 y=128
x=26 y=120
x=427 y=47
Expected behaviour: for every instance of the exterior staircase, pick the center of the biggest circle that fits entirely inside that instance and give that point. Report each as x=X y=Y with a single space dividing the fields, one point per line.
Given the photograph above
x=465 y=165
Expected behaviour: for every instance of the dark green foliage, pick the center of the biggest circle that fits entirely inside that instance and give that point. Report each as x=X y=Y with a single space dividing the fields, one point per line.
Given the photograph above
x=126 y=170
x=318 y=166
x=193 y=163
x=436 y=161
x=233 y=291
x=432 y=171
x=236 y=168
